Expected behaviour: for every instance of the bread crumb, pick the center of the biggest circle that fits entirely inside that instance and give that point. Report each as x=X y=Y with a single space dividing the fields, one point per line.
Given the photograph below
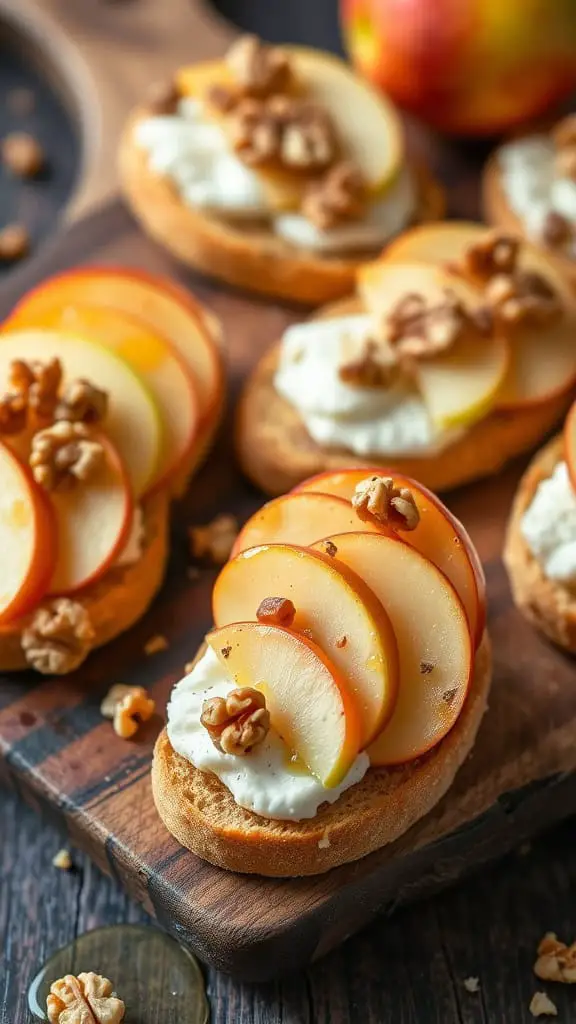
x=156 y=644
x=324 y=843
x=472 y=984
x=62 y=860
x=14 y=242
x=22 y=154
x=214 y=541
x=542 y=1006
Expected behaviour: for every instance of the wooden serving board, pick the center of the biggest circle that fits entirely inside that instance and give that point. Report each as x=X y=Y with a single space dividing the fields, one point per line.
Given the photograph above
x=60 y=754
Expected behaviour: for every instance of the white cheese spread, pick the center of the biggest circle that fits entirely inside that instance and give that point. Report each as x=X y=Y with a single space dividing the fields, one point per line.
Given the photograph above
x=532 y=187
x=192 y=150
x=366 y=421
x=132 y=550
x=263 y=781
x=549 y=526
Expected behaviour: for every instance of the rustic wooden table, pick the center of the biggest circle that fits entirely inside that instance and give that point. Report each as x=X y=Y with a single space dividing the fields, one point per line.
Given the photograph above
x=408 y=969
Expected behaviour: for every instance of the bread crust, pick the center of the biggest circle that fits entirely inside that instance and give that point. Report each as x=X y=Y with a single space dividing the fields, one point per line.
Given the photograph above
x=119 y=598
x=497 y=211
x=201 y=813
x=250 y=257
x=547 y=604
x=277 y=452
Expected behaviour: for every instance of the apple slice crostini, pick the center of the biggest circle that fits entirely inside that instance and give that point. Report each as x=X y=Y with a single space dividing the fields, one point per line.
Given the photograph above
x=103 y=417
x=529 y=189
x=455 y=354
x=274 y=169
x=342 y=686
x=540 y=547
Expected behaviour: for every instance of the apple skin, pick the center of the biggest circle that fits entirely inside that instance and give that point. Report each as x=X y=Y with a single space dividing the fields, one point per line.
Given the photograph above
x=467 y=67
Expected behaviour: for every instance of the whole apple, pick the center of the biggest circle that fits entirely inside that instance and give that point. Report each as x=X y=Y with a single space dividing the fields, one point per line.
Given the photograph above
x=469 y=67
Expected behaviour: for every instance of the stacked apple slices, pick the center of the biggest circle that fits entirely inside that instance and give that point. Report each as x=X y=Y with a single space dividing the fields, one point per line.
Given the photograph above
x=524 y=364
x=385 y=613
x=114 y=365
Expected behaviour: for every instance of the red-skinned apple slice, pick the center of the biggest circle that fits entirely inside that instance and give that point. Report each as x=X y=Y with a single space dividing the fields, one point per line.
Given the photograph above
x=93 y=522
x=152 y=357
x=338 y=609
x=166 y=307
x=28 y=539
x=439 y=536
x=300 y=519
x=434 y=644
x=570 y=444
x=308 y=699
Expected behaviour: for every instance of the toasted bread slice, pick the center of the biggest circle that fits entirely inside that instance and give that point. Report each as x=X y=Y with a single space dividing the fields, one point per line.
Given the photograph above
x=497 y=211
x=277 y=452
x=119 y=598
x=250 y=256
x=547 y=604
x=201 y=813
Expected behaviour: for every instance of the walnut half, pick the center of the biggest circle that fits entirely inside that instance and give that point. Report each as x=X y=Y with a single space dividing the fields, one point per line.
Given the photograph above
x=556 y=961
x=64 y=454
x=257 y=68
x=85 y=999
x=59 y=637
x=379 y=499
x=236 y=723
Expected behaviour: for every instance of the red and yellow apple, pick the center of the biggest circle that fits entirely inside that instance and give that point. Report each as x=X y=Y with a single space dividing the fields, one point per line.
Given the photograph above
x=471 y=67
x=308 y=699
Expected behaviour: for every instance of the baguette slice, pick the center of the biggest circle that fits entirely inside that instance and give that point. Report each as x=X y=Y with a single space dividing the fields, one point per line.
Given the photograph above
x=201 y=813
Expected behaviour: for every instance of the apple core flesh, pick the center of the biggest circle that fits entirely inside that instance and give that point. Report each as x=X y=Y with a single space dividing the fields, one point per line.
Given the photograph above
x=338 y=609
x=434 y=645
x=132 y=422
x=308 y=700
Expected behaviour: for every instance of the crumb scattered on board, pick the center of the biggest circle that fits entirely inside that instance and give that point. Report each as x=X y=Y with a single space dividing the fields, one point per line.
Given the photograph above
x=14 y=242
x=156 y=644
x=22 y=154
x=62 y=860
x=542 y=1006
x=215 y=540
x=472 y=984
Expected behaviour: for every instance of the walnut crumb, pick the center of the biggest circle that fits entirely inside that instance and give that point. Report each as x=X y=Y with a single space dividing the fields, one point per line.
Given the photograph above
x=276 y=611
x=374 y=367
x=226 y=651
x=14 y=242
x=129 y=713
x=59 y=637
x=339 y=195
x=449 y=695
x=22 y=154
x=82 y=402
x=556 y=961
x=236 y=723
x=426 y=667
x=257 y=68
x=542 y=1006
x=215 y=540
x=286 y=131
x=330 y=548
x=155 y=644
x=377 y=498
x=85 y=999
x=341 y=642
x=472 y=984
x=116 y=694
x=62 y=860
x=64 y=454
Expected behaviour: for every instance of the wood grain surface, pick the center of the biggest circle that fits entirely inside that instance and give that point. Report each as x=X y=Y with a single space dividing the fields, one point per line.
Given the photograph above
x=64 y=756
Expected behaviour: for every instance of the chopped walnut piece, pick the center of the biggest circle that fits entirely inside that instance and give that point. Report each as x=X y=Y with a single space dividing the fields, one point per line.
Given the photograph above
x=276 y=611
x=86 y=999
x=237 y=723
x=556 y=961
x=417 y=329
x=291 y=132
x=115 y=694
x=82 y=402
x=163 y=98
x=64 y=454
x=341 y=642
x=542 y=1006
x=59 y=637
x=522 y=297
x=215 y=540
x=330 y=548
x=133 y=709
x=339 y=195
x=373 y=367
x=472 y=984
x=14 y=242
x=258 y=69
x=556 y=231
x=22 y=154
x=62 y=860
x=378 y=498
x=494 y=253
x=31 y=386
x=155 y=644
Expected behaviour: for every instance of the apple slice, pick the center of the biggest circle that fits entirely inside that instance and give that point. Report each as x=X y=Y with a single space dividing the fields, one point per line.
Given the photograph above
x=434 y=645
x=340 y=611
x=458 y=386
x=169 y=310
x=442 y=243
x=308 y=699
x=439 y=536
x=133 y=421
x=93 y=522
x=28 y=539
x=570 y=444
x=301 y=519
x=159 y=365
